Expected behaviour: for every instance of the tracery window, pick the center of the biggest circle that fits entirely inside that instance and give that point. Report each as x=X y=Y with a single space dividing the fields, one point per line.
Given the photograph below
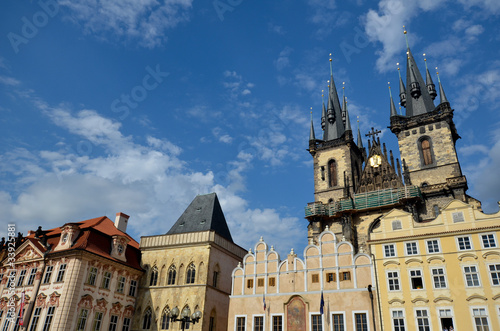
x=332 y=173
x=190 y=274
x=425 y=146
x=154 y=277
x=171 y=275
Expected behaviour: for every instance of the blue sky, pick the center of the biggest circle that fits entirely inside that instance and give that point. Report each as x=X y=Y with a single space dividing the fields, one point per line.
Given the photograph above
x=138 y=106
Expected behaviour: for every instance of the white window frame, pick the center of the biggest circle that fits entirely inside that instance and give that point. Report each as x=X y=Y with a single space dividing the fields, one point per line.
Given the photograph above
x=282 y=321
x=263 y=320
x=438 y=244
x=416 y=245
x=31 y=277
x=476 y=272
x=421 y=276
x=338 y=313
x=428 y=317
x=61 y=273
x=354 y=312
x=474 y=316
x=457 y=239
x=444 y=275
x=236 y=322
x=394 y=248
x=488 y=234
x=490 y=272
x=392 y=318
x=398 y=279
x=311 y=320
x=450 y=308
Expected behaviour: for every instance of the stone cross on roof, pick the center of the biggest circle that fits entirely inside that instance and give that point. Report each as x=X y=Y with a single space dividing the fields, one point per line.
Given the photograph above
x=373 y=133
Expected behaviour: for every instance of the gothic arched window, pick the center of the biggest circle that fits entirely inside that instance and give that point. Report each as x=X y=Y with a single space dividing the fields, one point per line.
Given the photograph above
x=165 y=319
x=425 y=146
x=146 y=322
x=154 y=277
x=190 y=274
x=171 y=275
x=332 y=173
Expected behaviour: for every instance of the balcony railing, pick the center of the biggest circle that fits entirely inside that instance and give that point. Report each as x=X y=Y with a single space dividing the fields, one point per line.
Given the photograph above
x=366 y=200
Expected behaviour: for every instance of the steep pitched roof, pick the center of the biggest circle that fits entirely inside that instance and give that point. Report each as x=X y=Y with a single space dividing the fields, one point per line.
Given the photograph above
x=203 y=214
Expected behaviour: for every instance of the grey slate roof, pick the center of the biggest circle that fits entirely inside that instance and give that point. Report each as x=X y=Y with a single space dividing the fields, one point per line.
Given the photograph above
x=422 y=104
x=334 y=129
x=203 y=214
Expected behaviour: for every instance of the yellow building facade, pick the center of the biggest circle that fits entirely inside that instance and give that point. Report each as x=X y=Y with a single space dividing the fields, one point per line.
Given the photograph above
x=440 y=274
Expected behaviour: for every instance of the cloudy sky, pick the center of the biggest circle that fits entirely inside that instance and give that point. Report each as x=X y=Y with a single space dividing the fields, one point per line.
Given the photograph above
x=138 y=106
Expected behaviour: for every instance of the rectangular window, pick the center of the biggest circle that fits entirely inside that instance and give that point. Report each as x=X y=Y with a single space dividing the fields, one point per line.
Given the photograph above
x=92 y=276
x=361 y=322
x=433 y=246
x=249 y=283
x=481 y=319
x=82 y=320
x=96 y=326
x=464 y=243
x=277 y=323
x=411 y=248
x=260 y=282
x=214 y=279
x=126 y=324
x=438 y=278
x=495 y=273
x=60 y=274
x=17 y=326
x=338 y=322
x=133 y=287
x=317 y=323
x=393 y=280
x=422 y=320
x=488 y=240
x=48 y=273
x=346 y=275
x=20 y=280
x=113 y=323
x=396 y=225
x=272 y=281
x=48 y=318
x=35 y=319
x=416 y=279
x=258 y=323
x=389 y=250
x=315 y=278
x=6 y=324
x=31 y=278
x=240 y=323
x=11 y=280
x=211 y=324
x=106 y=279
x=458 y=217
x=330 y=277
x=398 y=320
x=471 y=276
x=120 y=286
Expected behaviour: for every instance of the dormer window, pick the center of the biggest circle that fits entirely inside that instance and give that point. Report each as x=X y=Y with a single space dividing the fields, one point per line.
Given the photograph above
x=64 y=238
x=119 y=247
x=69 y=234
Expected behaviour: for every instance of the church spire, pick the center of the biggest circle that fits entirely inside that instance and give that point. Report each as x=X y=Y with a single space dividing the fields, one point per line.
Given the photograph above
x=442 y=96
x=347 y=120
x=360 y=140
x=428 y=81
x=402 y=90
x=323 y=113
x=334 y=126
x=393 y=108
x=312 y=136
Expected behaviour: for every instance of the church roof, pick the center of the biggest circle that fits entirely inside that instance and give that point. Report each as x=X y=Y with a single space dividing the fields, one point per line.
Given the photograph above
x=203 y=214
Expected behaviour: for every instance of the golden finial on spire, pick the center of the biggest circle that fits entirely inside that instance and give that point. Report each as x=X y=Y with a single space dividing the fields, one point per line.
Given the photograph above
x=389 y=85
x=425 y=61
x=406 y=37
x=331 y=70
x=437 y=73
x=397 y=65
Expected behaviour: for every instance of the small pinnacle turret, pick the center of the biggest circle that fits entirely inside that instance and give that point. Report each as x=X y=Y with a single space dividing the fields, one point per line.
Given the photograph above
x=312 y=136
x=428 y=81
x=347 y=120
x=442 y=96
x=393 y=107
x=402 y=90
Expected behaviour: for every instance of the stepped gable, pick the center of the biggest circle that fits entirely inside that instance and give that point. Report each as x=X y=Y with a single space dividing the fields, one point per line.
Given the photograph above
x=203 y=214
x=378 y=172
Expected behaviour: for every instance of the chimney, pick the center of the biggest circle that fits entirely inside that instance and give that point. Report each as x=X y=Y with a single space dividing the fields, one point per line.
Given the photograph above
x=121 y=221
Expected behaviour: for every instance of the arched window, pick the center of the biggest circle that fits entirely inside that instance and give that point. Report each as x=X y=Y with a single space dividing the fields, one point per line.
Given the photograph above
x=332 y=173
x=154 y=277
x=165 y=319
x=425 y=146
x=216 y=275
x=190 y=274
x=171 y=275
x=211 y=322
x=146 y=322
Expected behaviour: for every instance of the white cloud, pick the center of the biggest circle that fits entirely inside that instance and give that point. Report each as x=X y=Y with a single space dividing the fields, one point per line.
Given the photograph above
x=8 y=80
x=143 y=21
x=283 y=59
x=489 y=6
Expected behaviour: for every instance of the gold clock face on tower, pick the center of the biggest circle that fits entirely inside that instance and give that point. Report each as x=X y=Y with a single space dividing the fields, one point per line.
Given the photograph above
x=375 y=161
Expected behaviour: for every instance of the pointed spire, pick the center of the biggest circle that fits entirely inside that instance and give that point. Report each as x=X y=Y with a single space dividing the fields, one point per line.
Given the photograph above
x=442 y=96
x=402 y=90
x=360 y=140
x=414 y=86
x=428 y=81
x=393 y=108
x=335 y=126
x=323 y=113
x=312 y=137
x=345 y=111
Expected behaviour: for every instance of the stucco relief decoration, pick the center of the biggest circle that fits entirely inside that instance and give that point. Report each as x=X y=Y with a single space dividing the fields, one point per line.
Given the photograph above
x=54 y=299
x=101 y=305
x=116 y=309
x=28 y=254
x=41 y=300
x=86 y=302
x=129 y=311
x=3 y=303
x=296 y=315
x=38 y=275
